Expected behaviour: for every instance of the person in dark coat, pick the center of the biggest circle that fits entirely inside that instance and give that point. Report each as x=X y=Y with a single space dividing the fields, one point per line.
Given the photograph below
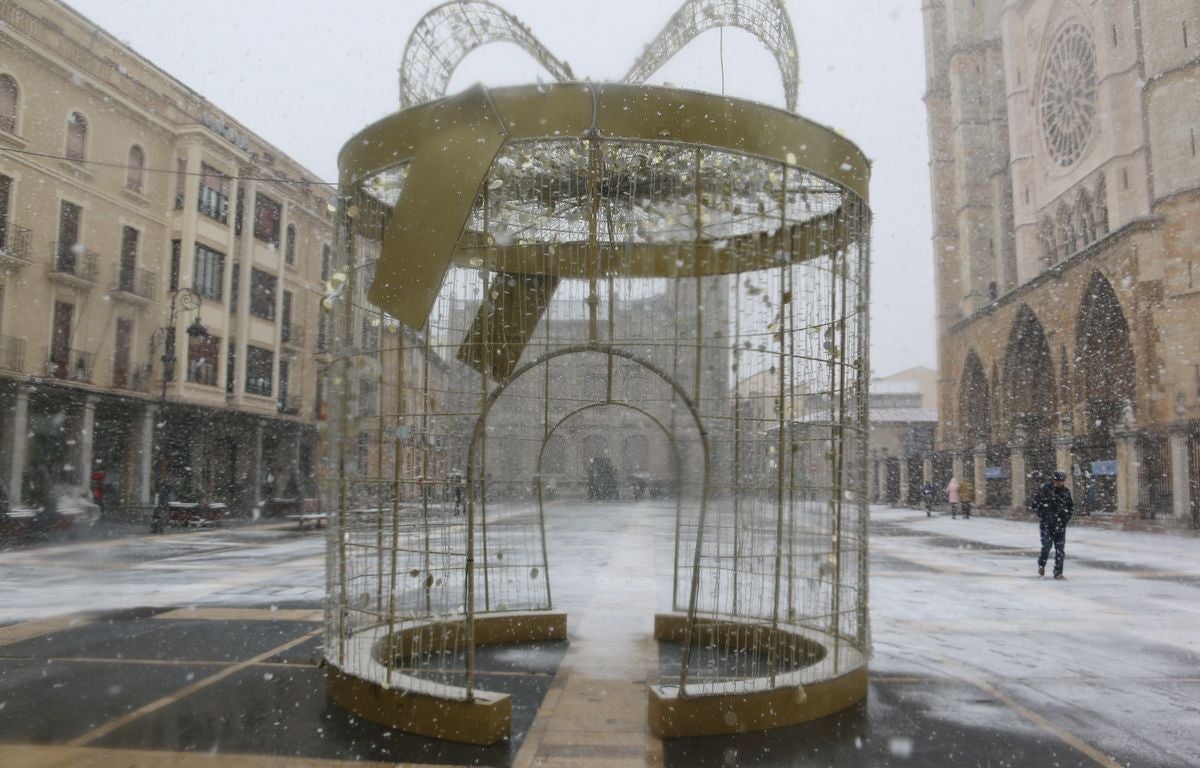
x=1053 y=505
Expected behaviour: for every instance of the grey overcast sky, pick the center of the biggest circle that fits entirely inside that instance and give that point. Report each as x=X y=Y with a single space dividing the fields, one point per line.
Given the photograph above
x=308 y=74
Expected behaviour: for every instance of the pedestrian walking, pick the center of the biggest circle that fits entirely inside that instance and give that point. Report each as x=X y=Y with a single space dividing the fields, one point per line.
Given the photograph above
x=952 y=490
x=966 y=498
x=928 y=492
x=1053 y=505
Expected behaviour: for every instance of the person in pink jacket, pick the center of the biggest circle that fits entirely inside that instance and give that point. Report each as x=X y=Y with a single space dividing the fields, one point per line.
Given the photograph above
x=952 y=496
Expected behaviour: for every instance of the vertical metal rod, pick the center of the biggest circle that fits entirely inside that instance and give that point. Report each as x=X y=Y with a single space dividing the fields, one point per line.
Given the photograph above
x=780 y=457
x=344 y=427
x=425 y=478
x=546 y=436
x=863 y=274
x=788 y=313
x=377 y=480
x=842 y=273
x=698 y=224
x=396 y=462
x=737 y=441
x=593 y=259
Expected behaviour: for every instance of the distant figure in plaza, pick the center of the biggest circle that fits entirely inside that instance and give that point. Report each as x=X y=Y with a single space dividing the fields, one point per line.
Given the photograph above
x=928 y=492
x=966 y=497
x=952 y=494
x=1053 y=505
x=456 y=481
x=98 y=477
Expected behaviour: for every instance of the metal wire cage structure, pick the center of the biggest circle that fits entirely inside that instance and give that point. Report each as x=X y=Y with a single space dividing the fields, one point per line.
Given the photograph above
x=521 y=274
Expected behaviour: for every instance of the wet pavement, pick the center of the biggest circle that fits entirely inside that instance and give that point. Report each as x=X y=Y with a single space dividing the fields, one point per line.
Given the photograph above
x=164 y=650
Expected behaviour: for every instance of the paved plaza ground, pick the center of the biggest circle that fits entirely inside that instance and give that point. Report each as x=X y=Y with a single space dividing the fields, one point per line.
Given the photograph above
x=201 y=648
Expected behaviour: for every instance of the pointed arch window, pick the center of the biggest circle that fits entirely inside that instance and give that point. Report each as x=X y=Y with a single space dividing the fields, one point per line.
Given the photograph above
x=77 y=127
x=1101 y=207
x=8 y=104
x=1049 y=238
x=1087 y=218
x=134 y=169
x=1067 y=236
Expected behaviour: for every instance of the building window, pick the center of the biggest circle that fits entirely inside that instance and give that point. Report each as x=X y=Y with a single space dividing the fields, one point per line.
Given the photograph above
x=258 y=370
x=176 y=258
x=370 y=335
x=70 y=218
x=203 y=356
x=241 y=206
x=214 y=194
x=326 y=262
x=289 y=250
x=1069 y=94
x=1067 y=236
x=262 y=294
x=235 y=283
x=1087 y=218
x=60 y=339
x=284 y=376
x=319 y=405
x=285 y=324
x=209 y=272
x=1101 y=207
x=6 y=184
x=76 y=137
x=267 y=214
x=322 y=333
x=133 y=172
x=8 y=104
x=1049 y=241
x=127 y=269
x=230 y=365
x=363 y=451
x=121 y=347
x=180 y=182
x=368 y=397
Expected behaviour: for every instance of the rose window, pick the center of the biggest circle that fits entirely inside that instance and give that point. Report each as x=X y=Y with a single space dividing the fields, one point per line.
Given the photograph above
x=1068 y=103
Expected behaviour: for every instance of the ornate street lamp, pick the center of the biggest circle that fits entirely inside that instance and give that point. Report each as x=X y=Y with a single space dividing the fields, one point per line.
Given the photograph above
x=185 y=299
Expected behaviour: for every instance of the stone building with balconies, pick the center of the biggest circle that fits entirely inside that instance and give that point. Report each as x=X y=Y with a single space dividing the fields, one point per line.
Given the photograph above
x=161 y=272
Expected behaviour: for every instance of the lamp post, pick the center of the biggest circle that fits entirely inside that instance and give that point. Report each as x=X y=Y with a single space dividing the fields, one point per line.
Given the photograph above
x=184 y=299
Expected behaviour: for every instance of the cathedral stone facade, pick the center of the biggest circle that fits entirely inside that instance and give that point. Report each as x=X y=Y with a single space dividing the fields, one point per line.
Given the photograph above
x=1066 y=198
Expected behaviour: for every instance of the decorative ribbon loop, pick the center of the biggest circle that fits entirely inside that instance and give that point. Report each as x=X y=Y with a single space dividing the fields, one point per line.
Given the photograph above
x=449 y=32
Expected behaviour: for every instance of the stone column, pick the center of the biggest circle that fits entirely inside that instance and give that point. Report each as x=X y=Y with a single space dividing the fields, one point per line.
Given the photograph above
x=927 y=469
x=1064 y=459
x=1128 y=465
x=1181 y=489
x=1017 y=463
x=980 y=479
x=20 y=439
x=956 y=465
x=903 y=500
x=145 y=481
x=86 y=428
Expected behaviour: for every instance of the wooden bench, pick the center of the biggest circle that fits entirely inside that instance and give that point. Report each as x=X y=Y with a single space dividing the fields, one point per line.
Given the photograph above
x=316 y=518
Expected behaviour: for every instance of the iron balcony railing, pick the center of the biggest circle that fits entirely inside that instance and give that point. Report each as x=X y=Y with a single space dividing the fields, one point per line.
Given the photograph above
x=12 y=353
x=73 y=259
x=70 y=364
x=131 y=377
x=136 y=281
x=14 y=241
